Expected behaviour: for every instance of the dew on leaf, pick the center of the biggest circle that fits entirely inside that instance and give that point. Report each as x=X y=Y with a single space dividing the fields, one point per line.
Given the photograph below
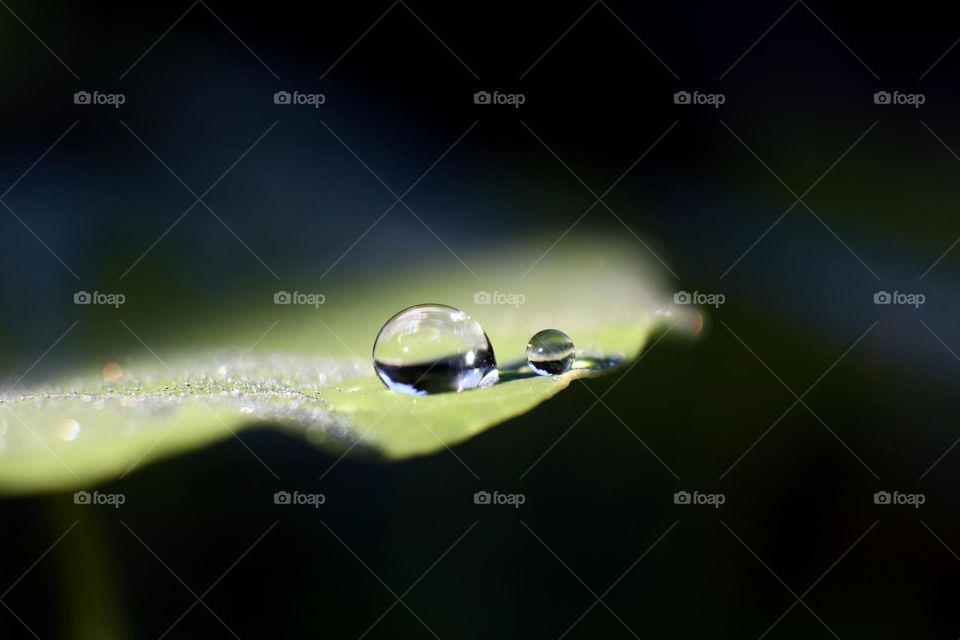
x=550 y=352
x=433 y=348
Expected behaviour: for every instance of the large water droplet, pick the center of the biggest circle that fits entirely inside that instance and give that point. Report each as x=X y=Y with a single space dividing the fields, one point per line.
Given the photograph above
x=550 y=352
x=432 y=348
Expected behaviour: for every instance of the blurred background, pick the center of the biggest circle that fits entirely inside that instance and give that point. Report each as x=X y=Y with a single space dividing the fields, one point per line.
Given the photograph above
x=799 y=198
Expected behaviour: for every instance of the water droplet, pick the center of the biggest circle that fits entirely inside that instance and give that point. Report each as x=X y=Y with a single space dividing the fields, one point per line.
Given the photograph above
x=550 y=352
x=112 y=372
x=432 y=348
x=69 y=430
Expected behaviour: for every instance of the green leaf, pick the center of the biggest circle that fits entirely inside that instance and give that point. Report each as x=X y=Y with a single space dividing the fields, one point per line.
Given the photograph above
x=306 y=377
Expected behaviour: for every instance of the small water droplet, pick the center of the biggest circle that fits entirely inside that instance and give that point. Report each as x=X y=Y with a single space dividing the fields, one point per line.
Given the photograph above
x=550 y=352
x=69 y=430
x=112 y=372
x=432 y=348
